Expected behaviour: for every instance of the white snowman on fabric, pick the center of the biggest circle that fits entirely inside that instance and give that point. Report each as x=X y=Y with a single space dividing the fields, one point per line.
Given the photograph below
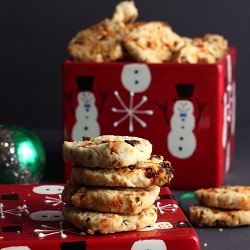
x=86 y=112
x=162 y=225
x=152 y=244
x=136 y=78
x=48 y=215
x=181 y=139
x=52 y=215
x=48 y=189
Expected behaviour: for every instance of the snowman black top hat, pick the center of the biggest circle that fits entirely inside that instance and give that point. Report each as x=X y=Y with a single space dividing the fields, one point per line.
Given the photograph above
x=85 y=83
x=184 y=90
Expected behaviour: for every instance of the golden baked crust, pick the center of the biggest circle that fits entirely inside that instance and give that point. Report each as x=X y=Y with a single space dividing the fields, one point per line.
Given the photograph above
x=104 y=223
x=187 y=54
x=112 y=200
x=152 y=42
x=120 y=37
x=227 y=197
x=193 y=54
x=154 y=171
x=210 y=217
x=102 y=42
x=209 y=48
x=98 y=43
x=214 y=44
x=125 y=12
x=107 y=151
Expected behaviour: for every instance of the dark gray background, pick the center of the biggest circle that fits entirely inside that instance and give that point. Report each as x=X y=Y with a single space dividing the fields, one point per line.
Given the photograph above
x=35 y=34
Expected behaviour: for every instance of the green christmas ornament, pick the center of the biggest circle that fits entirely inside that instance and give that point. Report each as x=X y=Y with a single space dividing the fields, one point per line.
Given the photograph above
x=22 y=156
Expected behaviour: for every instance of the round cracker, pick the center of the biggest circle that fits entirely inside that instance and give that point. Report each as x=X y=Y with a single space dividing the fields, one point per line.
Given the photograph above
x=107 y=151
x=154 y=171
x=104 y=223
x=227 y=197
x=210 y=217
x=112 y=200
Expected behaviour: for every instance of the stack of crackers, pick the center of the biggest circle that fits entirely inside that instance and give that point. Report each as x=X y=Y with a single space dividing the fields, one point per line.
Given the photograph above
x=227 y=206
x=114 y=183
x=121 y=38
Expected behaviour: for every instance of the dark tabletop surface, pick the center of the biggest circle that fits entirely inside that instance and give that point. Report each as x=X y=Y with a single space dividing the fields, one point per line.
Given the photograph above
x=239 y=174
x=210 y=238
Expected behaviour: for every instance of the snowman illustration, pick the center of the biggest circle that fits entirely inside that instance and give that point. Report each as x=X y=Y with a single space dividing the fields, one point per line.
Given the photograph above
x=229 y=100
x=152 y=244
x=136 y=78
x=48 y=189
x=225 y=120
x=181 y=139
x=86 y=112
x=233 y=103
x=48 y=216
x=162 y=225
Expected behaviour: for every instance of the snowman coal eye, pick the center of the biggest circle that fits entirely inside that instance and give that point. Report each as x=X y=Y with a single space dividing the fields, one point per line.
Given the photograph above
x=49 y=215
x=54 y=216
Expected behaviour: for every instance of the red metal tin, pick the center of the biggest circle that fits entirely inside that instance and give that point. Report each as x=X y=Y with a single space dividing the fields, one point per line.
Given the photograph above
x=187 y=111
